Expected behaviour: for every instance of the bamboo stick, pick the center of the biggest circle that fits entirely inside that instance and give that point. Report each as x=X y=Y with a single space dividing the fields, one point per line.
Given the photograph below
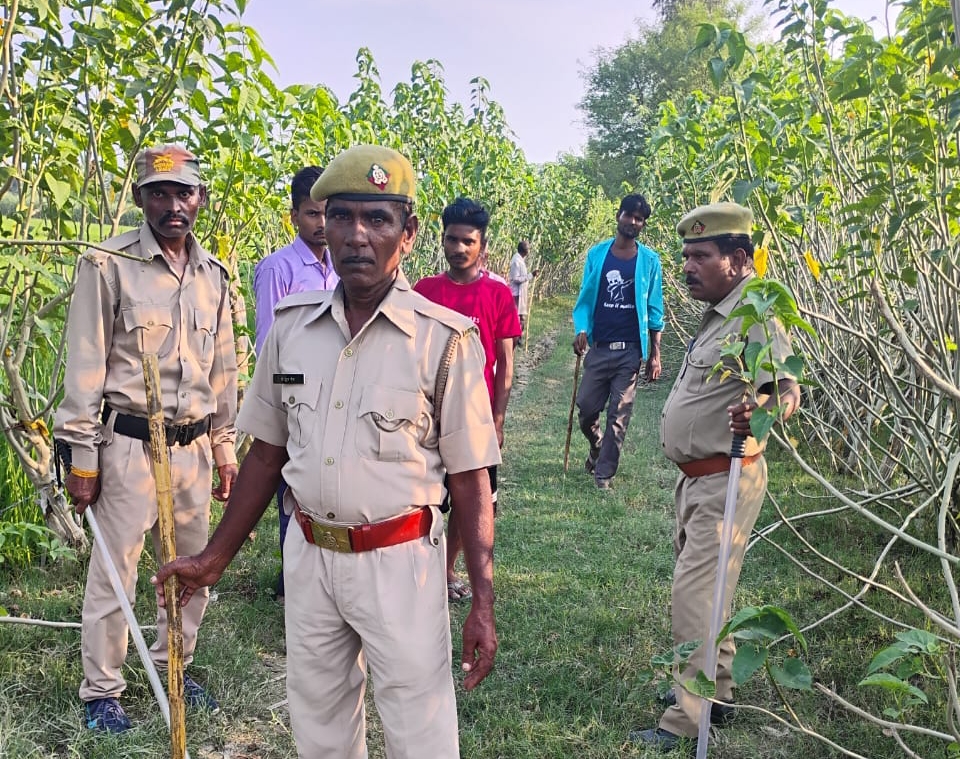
x=160 y=460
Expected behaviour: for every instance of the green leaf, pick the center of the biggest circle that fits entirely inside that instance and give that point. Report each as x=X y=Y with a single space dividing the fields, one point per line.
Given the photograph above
x=706 y=37
x=762 y=623
x=920 y=641
x=742 y=189
x=59 y=189
x=761 y=422
x=794 y=366
x=748 y=659
x=794 y=674
x=887 y=656
x=717 y=67
x=894 y=684
x=701 y=686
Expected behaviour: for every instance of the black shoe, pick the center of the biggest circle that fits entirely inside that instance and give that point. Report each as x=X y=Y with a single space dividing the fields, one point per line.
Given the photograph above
x=105 y=715
x=591 y=463
x=196 y=697
x=720 y=714
x=663 y=740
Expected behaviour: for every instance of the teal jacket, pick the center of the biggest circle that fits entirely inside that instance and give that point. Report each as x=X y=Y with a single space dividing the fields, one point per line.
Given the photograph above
x=648 y=282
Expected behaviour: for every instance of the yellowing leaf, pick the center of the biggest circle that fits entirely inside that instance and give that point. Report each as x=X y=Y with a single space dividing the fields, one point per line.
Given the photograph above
x=950 y=342
x=761 y=257
x=223 y=247
x=812 y=264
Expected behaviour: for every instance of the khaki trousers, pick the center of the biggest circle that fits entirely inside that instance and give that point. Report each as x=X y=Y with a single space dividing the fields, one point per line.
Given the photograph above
x=700 y=502
x=385 y=608
x=125 y=510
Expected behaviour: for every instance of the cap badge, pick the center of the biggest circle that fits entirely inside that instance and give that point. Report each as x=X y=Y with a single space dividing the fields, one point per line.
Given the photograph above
x=697 y=227
x=378 y=176
x=162 y=164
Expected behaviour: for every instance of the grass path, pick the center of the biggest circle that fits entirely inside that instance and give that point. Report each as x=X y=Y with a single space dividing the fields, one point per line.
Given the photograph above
x=582 y=581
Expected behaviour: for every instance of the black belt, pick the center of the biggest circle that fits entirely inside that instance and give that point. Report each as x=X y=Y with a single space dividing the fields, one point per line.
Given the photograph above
x=620 y=345
x=138 y=427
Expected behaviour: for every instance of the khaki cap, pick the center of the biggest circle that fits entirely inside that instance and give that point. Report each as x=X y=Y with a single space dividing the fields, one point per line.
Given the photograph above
x=715 y=220
x=167 y=163
x=367 y=172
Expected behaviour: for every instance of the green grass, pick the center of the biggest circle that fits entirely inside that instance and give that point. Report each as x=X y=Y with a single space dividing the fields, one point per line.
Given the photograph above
x=583 y=590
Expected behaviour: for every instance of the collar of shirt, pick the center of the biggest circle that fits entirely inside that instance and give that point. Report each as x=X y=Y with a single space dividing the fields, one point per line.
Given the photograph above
x=732 y=299
x=396 y=306
x=150 y=248
x=308 y=258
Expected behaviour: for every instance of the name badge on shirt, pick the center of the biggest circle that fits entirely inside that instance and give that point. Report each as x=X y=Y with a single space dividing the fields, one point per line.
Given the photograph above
x=287 y=379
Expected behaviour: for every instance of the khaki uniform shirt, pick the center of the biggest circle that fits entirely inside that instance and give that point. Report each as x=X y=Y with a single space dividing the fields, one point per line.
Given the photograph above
x=694 y=424
x=122 y=308
x=356 y=414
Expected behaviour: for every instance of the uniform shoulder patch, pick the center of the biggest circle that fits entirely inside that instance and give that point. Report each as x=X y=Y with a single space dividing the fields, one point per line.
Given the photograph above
x=449 y=317
x=308 y=298
x=118 y=243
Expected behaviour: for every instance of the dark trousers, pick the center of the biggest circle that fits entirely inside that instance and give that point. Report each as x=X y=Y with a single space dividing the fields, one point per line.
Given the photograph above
x=284 y=523
x=609 y=381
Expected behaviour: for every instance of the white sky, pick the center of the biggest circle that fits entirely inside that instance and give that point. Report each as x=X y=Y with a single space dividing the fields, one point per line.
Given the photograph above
x=530 y=51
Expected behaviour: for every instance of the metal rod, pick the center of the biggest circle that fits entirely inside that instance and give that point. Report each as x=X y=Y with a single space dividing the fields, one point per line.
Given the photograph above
x=719 y=589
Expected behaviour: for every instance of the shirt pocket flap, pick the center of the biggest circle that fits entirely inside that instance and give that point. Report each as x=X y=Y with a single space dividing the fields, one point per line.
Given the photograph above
x=205 y=320
x=387 y=404
x=147 y=317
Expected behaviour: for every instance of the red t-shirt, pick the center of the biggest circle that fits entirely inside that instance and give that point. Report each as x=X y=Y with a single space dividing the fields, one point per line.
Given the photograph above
x=490 y=305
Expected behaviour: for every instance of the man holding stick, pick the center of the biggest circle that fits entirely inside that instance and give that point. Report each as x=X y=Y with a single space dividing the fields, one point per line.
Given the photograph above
x=366 y=397
x=699 y=420
x=161 y=293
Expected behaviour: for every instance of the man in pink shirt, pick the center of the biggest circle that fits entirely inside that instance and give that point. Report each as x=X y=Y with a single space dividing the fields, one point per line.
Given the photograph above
x=303 y=265
x=467 y=289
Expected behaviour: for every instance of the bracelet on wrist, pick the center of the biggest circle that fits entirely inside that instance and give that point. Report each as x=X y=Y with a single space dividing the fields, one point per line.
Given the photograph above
x=84 y=473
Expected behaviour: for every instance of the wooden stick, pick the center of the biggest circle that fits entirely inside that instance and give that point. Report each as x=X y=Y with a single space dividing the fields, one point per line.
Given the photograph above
x=573 y=402
x=160 y=459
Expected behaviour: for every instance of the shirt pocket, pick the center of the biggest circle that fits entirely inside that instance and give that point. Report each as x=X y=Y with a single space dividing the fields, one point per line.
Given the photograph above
x=301 y=403
x=204 y=335
x=152 y=325
x=392 y=424
x=707 y=364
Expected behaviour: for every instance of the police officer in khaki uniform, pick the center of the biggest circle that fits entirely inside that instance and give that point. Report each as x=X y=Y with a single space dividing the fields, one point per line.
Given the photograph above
x=699 y=420
x=346 y=400
x=159 y=293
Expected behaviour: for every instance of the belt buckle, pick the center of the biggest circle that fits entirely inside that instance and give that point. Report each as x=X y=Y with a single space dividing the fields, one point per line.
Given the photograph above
x=618 y=346
x=180 y=435
x=331 y=537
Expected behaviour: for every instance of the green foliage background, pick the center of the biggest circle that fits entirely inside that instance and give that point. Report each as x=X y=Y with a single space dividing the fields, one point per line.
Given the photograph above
x=843 y=143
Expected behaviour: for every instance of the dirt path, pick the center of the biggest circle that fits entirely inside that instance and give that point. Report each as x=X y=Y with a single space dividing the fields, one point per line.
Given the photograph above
x=526 y=360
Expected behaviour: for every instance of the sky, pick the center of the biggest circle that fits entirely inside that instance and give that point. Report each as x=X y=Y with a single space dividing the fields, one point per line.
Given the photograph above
x=532 y=52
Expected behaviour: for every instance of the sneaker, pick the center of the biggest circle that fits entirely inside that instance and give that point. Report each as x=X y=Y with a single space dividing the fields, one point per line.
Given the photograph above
x=196 y=697
x=105 y=715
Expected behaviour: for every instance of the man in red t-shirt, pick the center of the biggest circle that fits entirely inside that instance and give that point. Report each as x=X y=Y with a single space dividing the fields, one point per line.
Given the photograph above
x=465 y=288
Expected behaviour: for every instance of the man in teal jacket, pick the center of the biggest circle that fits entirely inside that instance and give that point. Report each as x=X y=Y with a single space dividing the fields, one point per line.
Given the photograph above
x=619 y=315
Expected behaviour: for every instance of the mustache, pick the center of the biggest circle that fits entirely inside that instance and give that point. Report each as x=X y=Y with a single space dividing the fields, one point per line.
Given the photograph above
x=173 y=216
x=691 y=281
